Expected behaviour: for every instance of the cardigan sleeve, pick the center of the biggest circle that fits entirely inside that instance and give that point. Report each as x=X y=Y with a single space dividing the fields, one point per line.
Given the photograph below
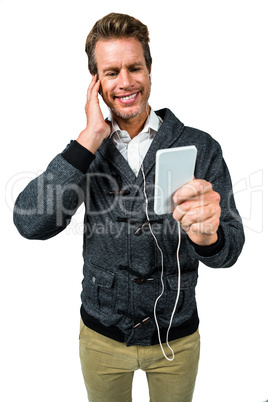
x=45 y=207
x=212 y=167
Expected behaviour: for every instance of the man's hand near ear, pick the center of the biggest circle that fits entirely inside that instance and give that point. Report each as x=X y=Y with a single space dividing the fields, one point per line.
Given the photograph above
x=97 y=128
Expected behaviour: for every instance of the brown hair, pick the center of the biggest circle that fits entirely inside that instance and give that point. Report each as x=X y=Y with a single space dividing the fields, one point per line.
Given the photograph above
x=116 y=25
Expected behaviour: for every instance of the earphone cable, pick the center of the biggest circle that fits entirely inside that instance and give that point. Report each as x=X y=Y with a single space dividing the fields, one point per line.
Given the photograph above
x=162 y=262
x=162 y=275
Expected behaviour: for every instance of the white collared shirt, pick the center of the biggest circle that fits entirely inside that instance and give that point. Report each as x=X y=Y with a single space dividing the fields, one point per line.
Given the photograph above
x=134 y=150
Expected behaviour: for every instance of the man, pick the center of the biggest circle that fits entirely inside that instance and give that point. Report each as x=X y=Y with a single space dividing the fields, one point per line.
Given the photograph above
x=110 y=167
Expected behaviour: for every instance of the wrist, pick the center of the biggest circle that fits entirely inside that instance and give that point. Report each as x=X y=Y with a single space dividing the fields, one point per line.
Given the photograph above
x=203 y=240
x=89 y=141
x=212 y=249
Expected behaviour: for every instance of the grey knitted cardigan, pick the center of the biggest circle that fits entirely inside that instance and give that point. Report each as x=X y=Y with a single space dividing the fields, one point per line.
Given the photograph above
x=122 y=264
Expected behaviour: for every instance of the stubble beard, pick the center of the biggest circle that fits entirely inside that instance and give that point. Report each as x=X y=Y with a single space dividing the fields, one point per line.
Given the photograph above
x=128 y=114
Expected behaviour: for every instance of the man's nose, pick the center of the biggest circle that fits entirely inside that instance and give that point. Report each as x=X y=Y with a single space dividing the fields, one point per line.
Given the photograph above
x=125 y=80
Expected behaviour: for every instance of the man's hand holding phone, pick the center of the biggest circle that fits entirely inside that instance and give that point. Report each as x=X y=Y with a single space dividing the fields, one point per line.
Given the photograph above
x=97 y=128
x=198 y=211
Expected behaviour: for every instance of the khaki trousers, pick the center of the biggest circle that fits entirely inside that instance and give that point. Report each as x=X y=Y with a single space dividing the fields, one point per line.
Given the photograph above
x=108 y=367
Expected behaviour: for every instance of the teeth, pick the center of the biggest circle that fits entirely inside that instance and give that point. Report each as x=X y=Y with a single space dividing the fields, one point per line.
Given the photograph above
x=128 y=97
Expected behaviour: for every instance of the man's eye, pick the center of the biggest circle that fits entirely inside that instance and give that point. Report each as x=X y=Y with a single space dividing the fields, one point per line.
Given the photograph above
x=111 y=74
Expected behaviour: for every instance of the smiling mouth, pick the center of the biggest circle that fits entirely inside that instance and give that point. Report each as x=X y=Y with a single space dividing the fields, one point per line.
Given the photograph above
x=127 y=98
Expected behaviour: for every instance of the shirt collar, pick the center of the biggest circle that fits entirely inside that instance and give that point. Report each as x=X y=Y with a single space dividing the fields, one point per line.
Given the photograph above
x=152 y=123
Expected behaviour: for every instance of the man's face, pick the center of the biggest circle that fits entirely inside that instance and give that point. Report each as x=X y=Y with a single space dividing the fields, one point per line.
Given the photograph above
x=125 y=81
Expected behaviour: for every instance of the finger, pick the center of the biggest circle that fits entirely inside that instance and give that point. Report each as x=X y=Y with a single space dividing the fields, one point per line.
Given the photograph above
x=194 y=203
x=91 y=86
x=198 y=209
x=201 y=214
x=192 y=189
x=96 y=88
x=208 y=227
x=187 y=217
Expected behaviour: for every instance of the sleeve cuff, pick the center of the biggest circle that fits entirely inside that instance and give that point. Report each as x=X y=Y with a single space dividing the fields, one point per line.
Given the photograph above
x=213 y=249
x=78 y=156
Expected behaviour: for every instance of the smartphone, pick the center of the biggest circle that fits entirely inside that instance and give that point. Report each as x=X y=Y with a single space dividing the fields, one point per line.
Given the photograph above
x=174 y=167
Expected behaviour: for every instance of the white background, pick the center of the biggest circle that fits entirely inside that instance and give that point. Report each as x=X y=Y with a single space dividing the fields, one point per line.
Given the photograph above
x=210 y=68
